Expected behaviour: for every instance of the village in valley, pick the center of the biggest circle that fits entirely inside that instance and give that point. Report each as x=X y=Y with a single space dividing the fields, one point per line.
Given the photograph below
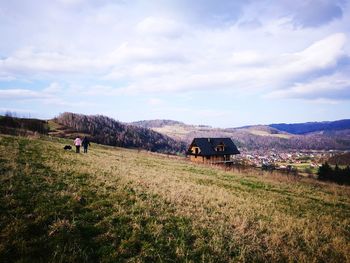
x=304 y=162
x=222 y=151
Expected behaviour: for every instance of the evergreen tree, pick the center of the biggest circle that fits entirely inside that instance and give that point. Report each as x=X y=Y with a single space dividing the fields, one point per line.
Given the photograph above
x=324 y=172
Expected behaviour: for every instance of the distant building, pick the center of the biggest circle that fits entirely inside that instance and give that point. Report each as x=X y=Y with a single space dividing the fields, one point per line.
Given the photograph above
x=212 y=150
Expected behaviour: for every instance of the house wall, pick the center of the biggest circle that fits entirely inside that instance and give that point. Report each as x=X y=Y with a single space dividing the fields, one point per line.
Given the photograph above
x=214 y=159
x=197 y=159
x=202 y=159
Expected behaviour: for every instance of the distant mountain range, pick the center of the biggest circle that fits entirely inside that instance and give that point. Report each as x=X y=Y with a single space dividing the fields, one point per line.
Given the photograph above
x=170 y=136
x=315 y=135
x=309 y=127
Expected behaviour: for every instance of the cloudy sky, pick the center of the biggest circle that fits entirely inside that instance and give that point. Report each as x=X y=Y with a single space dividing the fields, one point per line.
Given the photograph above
x=223 y=63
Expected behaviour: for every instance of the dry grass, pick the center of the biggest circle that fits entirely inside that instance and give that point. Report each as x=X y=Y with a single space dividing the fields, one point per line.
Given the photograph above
x=183 y=132
x=171 y=210
x=174 y=130
x=58 y=130
x=266 y=133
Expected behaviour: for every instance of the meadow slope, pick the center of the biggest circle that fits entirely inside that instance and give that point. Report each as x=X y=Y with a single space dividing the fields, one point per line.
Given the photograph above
x=117 y=205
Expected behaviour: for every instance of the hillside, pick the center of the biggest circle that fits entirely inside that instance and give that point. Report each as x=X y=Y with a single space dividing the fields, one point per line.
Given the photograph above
x=105 y=130
x=340 y=159
x=22 y=126
x=155 y=123
x=309 y=127
x=118 y=205
x=259 y=137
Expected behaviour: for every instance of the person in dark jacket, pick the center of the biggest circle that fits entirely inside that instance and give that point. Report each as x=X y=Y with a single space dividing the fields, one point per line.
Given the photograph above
x=85 y=143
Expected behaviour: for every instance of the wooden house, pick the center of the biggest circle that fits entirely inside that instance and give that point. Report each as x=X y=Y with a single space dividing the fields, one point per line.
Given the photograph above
x=212 y=150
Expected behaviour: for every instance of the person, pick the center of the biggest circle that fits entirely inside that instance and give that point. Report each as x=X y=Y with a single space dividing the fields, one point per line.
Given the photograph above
x=86 y=144
x=77 y=143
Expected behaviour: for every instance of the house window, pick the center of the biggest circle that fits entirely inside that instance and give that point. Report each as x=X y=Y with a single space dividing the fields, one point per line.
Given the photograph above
x=208 y=157
x=196 y=150
x=220 y=148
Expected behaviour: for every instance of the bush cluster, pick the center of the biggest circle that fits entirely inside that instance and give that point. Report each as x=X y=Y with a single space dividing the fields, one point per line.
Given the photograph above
x=337 y=174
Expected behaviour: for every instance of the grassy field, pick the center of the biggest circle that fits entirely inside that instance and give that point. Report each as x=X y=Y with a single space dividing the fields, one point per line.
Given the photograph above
x=266 y=133
x=118 y=205
x=304 y=169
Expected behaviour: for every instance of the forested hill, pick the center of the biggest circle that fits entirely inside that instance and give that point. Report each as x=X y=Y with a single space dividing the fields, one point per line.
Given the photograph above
x=309 y=127
x=260 y=137
x=155 y=123
x=105 y=130
x=22 y=126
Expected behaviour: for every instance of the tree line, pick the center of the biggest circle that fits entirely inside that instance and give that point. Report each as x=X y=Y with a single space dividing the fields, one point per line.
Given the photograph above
x=108 y=131
x=336 y=174
x=13 y=125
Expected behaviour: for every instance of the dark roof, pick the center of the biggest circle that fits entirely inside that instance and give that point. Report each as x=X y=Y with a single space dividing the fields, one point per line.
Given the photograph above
x=208 y=145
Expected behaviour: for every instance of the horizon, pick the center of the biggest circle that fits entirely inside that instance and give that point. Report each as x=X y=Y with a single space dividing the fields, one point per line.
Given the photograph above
x=16 y=115
x=233 y=64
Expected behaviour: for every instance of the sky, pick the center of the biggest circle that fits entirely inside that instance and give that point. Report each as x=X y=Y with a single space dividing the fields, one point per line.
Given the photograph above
x=221 y=63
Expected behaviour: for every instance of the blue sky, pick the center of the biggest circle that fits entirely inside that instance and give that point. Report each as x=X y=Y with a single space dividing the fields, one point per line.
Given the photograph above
x=220 y=63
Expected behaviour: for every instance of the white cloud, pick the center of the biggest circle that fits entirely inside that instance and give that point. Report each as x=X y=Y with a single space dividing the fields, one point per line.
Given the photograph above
x=159 y=26
x=243 y=71
x=155 y=101
x=314 y=13
x=247 y=57
x=95 y=90
x=54 y=87
x=323 y=53
x=6 y=77
x=325 y=101
x=27 y=61
x=141 y=52
x=71 y=2
x=148 y=48
x=22 y=94
x=51 y=95
x=178 y=65
x=324 y=89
